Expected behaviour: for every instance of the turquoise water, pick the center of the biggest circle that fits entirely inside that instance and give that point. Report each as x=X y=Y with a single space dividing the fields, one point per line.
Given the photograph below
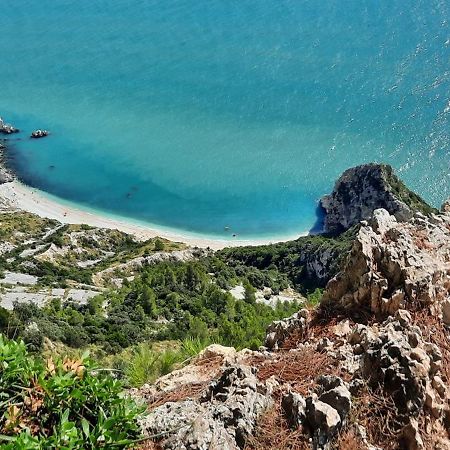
x=197 y=115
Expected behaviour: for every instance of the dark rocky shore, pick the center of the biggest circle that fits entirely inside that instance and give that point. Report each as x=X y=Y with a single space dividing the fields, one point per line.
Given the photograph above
x=5 y=174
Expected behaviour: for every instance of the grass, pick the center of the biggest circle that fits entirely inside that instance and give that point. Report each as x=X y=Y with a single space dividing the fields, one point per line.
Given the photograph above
x=146 y=362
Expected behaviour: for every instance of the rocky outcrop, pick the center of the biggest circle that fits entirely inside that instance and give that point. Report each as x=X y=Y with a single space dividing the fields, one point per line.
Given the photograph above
x=37 y=134
x=136 y=263
x=396 y=355
x=323 y=413
x=6 y=128
x=378 y=377
x=445 y=208
x=5 y=175
x=361 y=190
x=395 y=265
x=222 y=418
x=279 y=330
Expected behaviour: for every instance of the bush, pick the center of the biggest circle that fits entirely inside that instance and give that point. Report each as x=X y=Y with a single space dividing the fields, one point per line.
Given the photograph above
x=146 y=364
x=159 y=245
x=62 y=404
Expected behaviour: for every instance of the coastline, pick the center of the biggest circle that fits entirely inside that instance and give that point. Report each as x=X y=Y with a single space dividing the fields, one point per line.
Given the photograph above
x=18 y=196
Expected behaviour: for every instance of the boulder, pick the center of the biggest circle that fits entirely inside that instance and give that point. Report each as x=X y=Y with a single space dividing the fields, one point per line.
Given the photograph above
x=222 y=418
x=323 y=419
x=446 y=311
x=294 y=408
x=278 y=331
x=340 y=399
x=445 y=208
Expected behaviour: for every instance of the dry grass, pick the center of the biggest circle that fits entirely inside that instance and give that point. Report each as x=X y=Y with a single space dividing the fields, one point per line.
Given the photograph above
x=433 y=330
x=375 y=410
x=148 y=445
x=192 y=390
x=273 y=432
x=298 y=368
x=348 y=439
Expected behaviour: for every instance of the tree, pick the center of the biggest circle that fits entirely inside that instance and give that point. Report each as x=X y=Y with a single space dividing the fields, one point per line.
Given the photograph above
x=159 y=245
x=249 y=293
x=198 y=328
x=148 y=302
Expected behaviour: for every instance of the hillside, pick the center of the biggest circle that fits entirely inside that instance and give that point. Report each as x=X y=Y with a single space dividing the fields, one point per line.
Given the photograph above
x=337 y=340
x=368 y=368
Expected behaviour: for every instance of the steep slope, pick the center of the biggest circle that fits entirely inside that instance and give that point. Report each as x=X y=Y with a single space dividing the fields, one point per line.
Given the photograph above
x=362 y=189
x=369 y=368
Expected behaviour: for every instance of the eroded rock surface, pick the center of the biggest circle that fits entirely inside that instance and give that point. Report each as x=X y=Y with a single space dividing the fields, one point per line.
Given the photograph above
x=340 y=365
x=362 y=189
x=222 y=418
x=279 y=330
x=395 y=265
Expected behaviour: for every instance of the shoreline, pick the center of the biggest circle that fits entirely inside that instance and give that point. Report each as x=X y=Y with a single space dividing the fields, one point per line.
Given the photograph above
x=16 y=195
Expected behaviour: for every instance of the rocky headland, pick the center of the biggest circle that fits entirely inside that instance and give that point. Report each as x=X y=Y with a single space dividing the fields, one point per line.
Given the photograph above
x=368 y=368
x=363 y=363
x=361 y=190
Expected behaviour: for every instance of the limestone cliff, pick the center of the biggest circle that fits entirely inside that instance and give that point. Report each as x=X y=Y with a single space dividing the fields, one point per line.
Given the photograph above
x=362 y=189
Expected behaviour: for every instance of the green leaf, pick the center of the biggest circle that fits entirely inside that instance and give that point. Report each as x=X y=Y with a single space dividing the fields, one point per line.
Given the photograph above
x=85 y=427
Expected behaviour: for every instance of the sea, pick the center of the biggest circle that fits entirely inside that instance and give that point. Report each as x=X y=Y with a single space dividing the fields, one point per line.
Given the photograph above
x=224 y=117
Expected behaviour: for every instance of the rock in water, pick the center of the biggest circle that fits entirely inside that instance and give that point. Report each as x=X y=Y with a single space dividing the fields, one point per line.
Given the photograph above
x=361 y=190
x=39 y=134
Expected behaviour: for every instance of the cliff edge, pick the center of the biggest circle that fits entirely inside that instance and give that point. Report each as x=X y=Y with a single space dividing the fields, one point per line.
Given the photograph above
x=361 y=190
x=368 y=368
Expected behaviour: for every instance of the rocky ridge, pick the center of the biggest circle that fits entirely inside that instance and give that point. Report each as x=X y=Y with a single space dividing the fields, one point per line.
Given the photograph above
x=369 y=368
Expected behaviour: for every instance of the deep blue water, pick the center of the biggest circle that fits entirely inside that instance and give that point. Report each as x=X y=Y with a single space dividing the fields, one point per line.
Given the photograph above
x=198 y=115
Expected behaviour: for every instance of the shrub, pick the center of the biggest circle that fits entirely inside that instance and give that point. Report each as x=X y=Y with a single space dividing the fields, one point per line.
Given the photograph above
x=62 y=404
x=159 y=245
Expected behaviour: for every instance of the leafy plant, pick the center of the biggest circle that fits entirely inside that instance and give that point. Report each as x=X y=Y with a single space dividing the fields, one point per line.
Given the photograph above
x=193 y=346
x=63 y=404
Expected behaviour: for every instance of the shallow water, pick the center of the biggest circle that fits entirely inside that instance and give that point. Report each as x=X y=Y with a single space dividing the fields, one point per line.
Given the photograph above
x=211 y=114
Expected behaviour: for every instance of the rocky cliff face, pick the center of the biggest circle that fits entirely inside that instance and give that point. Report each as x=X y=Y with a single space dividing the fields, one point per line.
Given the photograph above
x=368 y=369
x=396 y=265
x=360 y=190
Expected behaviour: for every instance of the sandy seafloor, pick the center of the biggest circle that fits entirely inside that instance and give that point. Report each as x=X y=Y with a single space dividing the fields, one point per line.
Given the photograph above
x=18 y=196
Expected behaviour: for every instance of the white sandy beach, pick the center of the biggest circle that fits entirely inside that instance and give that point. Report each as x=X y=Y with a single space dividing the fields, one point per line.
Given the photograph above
x=19 y=196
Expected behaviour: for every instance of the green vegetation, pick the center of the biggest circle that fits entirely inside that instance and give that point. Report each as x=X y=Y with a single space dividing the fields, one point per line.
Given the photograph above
x=314 y=298
x=167 y=301
x=64 y=404
x=145 y=362
x=410 y=198
x=292 y=258
x=60 y=255
x=18 y=227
